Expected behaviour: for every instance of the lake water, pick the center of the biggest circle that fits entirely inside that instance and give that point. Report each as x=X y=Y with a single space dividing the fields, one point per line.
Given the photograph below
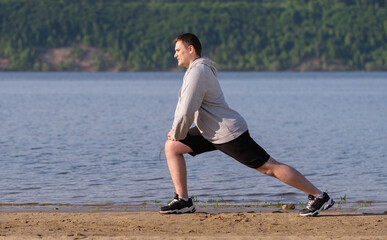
x=97 y=138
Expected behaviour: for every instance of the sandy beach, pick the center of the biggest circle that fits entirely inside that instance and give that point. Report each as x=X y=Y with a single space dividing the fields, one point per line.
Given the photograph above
x=201 y=225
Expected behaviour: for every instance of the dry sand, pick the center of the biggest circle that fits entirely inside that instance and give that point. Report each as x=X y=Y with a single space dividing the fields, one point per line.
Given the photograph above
x=202 y=225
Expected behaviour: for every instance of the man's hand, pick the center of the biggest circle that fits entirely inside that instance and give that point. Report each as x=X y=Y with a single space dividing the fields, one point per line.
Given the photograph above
x=169 y=135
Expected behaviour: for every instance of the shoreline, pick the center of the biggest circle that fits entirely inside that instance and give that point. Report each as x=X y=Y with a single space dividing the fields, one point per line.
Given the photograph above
x=213 y=208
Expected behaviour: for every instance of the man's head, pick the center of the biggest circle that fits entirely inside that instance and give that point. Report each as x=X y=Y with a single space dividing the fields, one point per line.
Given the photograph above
x=187 y=49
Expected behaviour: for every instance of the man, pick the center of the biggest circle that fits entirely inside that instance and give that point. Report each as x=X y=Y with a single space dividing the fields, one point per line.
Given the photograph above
x=218 y=127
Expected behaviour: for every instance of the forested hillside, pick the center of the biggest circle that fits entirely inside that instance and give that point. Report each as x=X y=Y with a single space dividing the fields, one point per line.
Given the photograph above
x=124 y=35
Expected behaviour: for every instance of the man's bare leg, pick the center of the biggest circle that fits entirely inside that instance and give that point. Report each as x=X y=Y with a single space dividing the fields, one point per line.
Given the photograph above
x=174 y=151
x=289 y=176
x=316 y=203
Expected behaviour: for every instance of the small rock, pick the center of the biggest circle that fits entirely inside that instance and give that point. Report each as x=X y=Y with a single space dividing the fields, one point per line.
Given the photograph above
x=289 y=206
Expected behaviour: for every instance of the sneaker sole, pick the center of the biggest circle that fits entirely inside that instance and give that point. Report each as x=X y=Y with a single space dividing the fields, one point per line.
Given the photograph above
x=179 y=211
x=328 y=204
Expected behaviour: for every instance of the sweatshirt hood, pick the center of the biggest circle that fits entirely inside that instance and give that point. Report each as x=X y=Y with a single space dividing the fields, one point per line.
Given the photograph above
x=206 y=61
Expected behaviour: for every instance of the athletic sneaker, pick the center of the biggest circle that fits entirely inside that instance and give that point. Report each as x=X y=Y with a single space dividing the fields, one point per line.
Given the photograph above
x=316 y=205
x=178 y=205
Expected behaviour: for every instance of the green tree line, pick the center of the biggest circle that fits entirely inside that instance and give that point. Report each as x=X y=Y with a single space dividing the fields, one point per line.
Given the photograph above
x=262 y=35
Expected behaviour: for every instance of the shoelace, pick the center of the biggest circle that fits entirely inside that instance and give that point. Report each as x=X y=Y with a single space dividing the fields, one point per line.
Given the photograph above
x=173 y=201
x=310 y=204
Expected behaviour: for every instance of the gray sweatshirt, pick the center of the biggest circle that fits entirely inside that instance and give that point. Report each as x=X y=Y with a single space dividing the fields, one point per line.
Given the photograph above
x=201 y=101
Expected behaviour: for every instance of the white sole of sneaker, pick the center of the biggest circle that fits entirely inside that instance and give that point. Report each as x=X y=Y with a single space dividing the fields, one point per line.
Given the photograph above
x=179 y=211
x=328 y=204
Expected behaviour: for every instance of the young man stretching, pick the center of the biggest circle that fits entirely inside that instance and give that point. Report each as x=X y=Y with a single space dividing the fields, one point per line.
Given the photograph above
x=218 y=127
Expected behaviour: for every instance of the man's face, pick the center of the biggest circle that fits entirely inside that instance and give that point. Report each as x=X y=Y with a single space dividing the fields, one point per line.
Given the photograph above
x=182 y=54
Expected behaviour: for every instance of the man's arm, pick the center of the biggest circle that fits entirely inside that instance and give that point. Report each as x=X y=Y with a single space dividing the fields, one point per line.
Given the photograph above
x=191 y=97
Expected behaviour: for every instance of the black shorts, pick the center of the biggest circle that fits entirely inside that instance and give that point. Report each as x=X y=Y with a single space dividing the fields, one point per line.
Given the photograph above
x=243 y=149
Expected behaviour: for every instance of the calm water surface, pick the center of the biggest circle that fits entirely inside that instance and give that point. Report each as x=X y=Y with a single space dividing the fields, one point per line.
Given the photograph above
x=84 y=138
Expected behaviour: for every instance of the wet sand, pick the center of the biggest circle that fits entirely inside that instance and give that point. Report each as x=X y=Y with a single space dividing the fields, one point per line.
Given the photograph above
x=219 y=224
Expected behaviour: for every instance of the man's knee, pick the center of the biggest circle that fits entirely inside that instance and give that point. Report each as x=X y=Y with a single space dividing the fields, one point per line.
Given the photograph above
x=168 y=147
x=176 y=147
x=268 y=167
x=266 y=170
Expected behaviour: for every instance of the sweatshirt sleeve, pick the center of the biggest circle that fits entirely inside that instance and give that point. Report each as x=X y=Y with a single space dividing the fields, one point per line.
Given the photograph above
x=190 y=100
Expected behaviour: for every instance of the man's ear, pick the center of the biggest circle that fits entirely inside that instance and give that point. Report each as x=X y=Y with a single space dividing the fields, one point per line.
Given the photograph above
x=191 y=49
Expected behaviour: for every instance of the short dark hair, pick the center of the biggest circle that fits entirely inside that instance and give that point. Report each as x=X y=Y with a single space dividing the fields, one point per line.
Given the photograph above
x=190 y=39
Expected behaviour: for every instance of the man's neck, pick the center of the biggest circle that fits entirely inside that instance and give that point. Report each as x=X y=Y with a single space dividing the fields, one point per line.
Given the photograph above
x=193 y=60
